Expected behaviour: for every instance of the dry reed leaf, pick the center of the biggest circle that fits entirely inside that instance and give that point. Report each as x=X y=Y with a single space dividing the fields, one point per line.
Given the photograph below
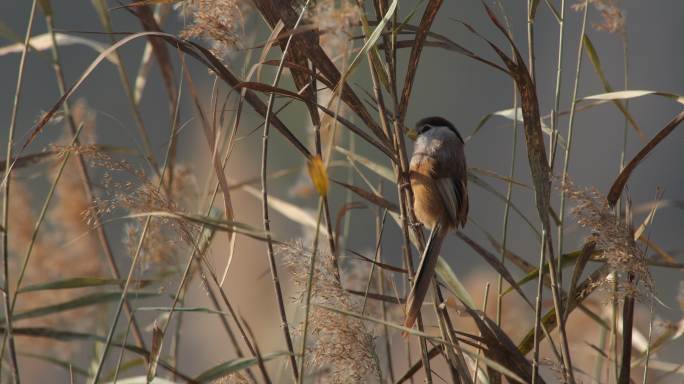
x=44 y=42
x=619 y=183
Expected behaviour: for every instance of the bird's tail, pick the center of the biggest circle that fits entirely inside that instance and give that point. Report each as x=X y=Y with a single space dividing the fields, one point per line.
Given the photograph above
x=426 y=270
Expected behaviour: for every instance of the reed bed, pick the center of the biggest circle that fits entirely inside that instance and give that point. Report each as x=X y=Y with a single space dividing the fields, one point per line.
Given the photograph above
x=252 y=222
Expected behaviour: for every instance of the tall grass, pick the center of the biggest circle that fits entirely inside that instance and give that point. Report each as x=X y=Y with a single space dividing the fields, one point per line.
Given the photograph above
x=351 y=73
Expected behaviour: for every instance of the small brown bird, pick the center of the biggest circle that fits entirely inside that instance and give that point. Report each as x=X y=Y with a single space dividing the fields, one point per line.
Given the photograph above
x=439 y=181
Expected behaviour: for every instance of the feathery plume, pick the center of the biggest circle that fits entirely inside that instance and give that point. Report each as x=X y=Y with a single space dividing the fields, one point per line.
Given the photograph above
x=612 y=236
x=340 y=345
x=613 y=16
x=219 y=21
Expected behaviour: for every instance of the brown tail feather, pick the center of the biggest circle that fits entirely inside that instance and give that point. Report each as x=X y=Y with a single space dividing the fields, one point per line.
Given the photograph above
x=426 y=271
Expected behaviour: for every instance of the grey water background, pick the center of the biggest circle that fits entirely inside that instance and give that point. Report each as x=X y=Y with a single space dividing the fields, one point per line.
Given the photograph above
x=446 y=84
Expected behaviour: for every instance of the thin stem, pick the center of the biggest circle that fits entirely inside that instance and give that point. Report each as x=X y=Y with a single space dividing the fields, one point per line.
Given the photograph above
x=309 y=290
x=648 y=345
x=85 y=177
x=6 y=202
x=381 y=277
x=479 y=350
x=538 y=310
x=121 y=69
x=122 y=351
x=530 y=40
x=138 y=251
x=509 y=192
x=571 y=123
x=264 y=199
x=316 y=122
x=556 y=96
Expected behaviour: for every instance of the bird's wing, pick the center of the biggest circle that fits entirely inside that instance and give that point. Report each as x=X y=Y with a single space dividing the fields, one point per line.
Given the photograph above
x=451 y=197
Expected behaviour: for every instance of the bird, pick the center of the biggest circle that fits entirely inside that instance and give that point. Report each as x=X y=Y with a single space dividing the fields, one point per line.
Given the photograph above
x=439 y=180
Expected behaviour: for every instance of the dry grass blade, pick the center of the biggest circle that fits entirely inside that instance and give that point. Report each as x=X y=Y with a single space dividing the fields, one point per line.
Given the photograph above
x=487 y=361
x=369 y=196
x=421 y=34
x=596 y=62
x=146 y=17
x=377 y=296
x=539 y=166
x=68 y=336
x=443 y=42
x=621 y=181
x=549 y=319
x=386 y=266
x=201 y=54
x=435 y=351
x=492 y=260
x=379 y=169
x=287 y=209
x=453 y=284
x=274 y=11
x=25 y=161
x=585 y=254
x=500 y=348
x=155 y=352
x=235 y=365
x=283 y=92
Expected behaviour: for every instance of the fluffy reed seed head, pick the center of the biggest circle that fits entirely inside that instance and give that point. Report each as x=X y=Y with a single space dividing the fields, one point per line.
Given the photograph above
x=613 y=16
x=613 y=237
x=335 y=19
x=64 y=248
x=219 y=21
x=339 y=344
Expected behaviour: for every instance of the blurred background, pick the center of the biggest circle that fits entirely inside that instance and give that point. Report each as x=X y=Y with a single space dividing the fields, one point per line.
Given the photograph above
x=447 y=84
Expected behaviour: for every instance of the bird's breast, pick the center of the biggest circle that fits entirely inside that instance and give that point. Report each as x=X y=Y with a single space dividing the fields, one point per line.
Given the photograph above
x=427 y=201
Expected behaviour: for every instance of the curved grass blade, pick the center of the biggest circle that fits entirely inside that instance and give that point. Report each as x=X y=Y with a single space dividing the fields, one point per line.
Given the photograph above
x=289 y=210
x=73 y=282
x=235 y=365
x=44 y=42
x=370 y=42
x=602 y=98
x=66 y=365
x=549 y=319
x=447 y=275
x=495 y=263
x=381 y=170
x=68 y=336
x=369 y=196
x=511 y=114
x=83 y=301
x=219 y=225
x=489 y=362
x=621 y=181
x=596 y=62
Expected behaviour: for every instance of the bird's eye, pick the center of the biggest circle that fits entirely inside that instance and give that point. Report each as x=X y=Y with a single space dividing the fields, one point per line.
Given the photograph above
x=424 y=128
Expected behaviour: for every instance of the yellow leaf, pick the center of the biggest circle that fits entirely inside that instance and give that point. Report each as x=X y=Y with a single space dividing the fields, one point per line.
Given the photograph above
x=319 y=175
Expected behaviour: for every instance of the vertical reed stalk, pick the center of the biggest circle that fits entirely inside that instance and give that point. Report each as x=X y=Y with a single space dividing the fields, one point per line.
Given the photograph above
x=106 y=22
x=264 y=200
x=309 y=290
x=8 y=335
x=85 y=176
x=571 y=123
x=138 y=251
